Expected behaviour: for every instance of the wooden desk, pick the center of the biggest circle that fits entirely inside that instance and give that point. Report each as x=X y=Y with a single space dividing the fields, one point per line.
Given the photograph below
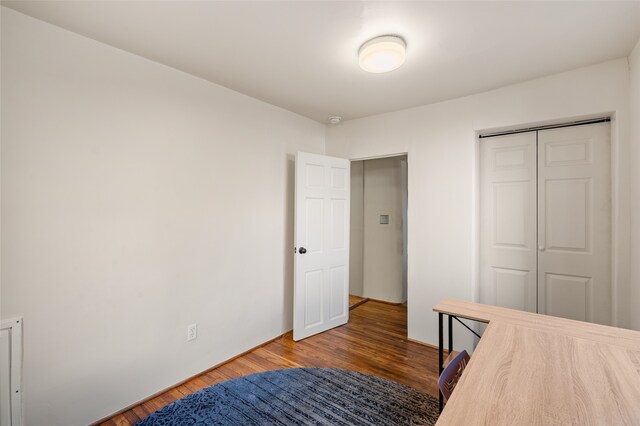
x=531 y=369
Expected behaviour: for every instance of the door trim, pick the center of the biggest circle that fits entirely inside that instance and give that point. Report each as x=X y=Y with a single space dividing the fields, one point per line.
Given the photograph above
x=408 y=222
x=546 y=127
x=378 y=157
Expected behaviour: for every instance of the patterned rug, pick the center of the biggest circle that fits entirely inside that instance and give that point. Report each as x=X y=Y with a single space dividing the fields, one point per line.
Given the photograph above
x=301 y=396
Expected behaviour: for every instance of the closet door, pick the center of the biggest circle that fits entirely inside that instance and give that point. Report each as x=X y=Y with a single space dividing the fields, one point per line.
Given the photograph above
x=574 y=223
x=508 y=258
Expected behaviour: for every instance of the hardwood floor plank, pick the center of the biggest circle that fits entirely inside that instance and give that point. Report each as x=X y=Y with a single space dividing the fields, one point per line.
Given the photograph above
x=264 y=353
x=373 y=342
x=131 y=417
x=140 y=412
x=353 y=299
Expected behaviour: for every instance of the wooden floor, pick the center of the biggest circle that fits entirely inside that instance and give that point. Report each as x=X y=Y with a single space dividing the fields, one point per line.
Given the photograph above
x=374 y=342
x=355 y=301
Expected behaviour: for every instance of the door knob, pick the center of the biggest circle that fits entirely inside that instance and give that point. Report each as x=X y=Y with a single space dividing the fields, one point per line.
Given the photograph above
x=541 y=248
x=302 y=250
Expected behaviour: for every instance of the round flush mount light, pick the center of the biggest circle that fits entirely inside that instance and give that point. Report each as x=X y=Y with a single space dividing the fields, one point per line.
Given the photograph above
x=382 y=54
x=335 y=119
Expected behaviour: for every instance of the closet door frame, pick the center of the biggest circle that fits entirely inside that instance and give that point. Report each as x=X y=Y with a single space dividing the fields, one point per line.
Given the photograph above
x=618 y=210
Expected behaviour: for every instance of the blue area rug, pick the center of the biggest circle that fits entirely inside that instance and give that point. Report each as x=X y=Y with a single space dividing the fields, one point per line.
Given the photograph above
x=301 y=396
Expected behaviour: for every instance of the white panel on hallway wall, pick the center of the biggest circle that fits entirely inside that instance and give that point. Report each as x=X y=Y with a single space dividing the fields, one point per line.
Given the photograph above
x=5 y=371
x=11 y=372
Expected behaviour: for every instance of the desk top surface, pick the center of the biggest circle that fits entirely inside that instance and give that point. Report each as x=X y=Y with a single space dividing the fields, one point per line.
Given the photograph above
x=537 y=369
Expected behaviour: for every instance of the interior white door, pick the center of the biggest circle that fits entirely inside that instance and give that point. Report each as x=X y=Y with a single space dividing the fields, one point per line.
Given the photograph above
x=508 y=265
x=322 y=202
x=574 y=223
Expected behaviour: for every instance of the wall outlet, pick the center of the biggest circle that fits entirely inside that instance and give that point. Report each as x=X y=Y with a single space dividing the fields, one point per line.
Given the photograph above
x=192 y=332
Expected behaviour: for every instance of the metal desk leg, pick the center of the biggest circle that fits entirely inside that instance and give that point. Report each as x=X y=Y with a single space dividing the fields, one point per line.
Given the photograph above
x=450 y=334
x=440 y=355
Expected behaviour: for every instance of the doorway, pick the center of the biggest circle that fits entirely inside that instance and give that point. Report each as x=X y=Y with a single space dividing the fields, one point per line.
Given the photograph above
x=378 y=230
x=545 y=221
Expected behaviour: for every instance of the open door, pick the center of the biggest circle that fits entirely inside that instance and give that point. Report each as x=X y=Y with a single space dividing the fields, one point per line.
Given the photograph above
x=321 y=283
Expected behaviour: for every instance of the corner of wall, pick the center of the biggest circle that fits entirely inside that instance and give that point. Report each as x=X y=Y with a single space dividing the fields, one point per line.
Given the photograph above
x=634 y=108
x=326 y=138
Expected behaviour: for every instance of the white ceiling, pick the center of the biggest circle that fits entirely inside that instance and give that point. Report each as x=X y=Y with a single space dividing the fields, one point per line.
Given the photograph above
x=302 y=56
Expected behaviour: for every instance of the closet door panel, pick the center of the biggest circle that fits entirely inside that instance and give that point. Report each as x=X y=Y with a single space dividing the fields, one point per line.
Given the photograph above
x=508 y=270
x=574 y=222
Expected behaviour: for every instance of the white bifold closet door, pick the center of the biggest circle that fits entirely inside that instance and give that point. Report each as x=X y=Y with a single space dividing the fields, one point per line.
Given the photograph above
x=508 y=237
x=545 y=222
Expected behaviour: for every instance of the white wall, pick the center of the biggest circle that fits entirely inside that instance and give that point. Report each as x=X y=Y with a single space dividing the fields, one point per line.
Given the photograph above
x=383 y=188
x=441 y=143
x=356 y=229
x=136 y=200
x=634 y=65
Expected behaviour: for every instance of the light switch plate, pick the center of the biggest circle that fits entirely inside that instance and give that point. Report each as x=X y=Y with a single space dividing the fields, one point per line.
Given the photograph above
x=384 y=219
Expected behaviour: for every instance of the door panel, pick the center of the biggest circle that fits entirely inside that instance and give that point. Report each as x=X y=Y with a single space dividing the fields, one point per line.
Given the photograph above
x=339 y=286
x=567 y=214
x=339 y=224
x=313 y=298
x=574 y=222
x=313 y=226
x=339 y=178
x=508 y=221
x=321 y=287
x=545 y=234
x=511 y=288
x=511 y=214
x=567 y=296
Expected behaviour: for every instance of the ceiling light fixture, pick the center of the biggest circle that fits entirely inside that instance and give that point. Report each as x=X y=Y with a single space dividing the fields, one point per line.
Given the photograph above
x=382 y=54
x=335 y=119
